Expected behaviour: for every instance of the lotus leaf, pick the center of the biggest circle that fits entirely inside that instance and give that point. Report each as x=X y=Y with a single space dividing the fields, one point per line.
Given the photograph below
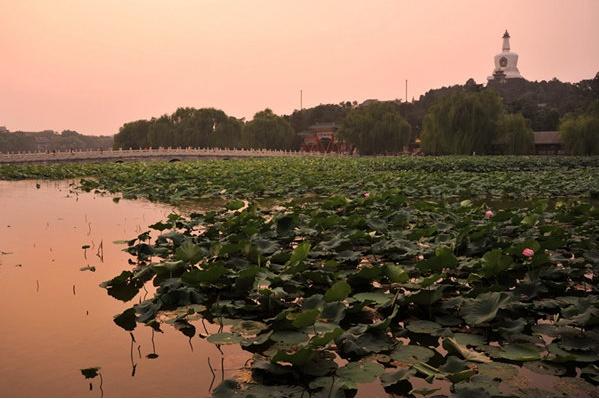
x=411 y=354
x=338 y=292
x=520 y=352
x=360 y=372
x=189 y=252
x=378 y=297
x=484 y=308
x=224 y=338
x=204 y=276
x=424 y=327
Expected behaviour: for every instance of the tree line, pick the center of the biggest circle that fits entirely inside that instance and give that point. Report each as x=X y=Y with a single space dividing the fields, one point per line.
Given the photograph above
x=207 y=128
x=49 y=140
x=461 y=119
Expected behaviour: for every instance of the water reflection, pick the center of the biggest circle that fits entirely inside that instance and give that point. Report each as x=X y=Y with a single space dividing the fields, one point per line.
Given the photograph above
x=58 y=321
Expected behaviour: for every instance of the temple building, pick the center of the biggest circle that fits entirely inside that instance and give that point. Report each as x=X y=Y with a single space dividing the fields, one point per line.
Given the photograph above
x=506 y=63
x=323 y=137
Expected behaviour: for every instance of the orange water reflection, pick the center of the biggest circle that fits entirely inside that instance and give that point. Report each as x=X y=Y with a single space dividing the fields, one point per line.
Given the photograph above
x=56 y=320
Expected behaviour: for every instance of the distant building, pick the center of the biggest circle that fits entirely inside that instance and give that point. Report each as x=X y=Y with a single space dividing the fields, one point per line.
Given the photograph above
x=506 y=63
x=323 y=137
x=548 y=143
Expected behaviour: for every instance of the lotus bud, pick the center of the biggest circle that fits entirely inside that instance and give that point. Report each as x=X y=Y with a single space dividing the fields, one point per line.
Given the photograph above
x=528 y=252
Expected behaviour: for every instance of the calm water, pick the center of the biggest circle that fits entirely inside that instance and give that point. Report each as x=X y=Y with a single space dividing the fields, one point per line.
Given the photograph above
x=56 y=320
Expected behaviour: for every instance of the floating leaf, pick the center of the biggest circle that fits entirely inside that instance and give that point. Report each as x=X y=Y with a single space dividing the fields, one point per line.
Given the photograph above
x=360 y=372
x=338 y=292
x=484 y=308
x=248 y=327
x=303 y=319
x=396 y=273
x=520 y=352
x=289 y=337
x=411 y=354
x=424 y=327
x=469 y=339
x=378 y=297
x=443 y=258
x=298 y=358
x=224 y=338
x=426 y=297
x=557 y=354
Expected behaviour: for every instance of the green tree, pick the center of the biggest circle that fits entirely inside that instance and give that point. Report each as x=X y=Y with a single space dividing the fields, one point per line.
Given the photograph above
x=580 y=133
x=160 y=133
x=465 y=122
x=268 y=131
x=376 y=128
x=301 y=120
x=186 y=127
x=133 y=135
x=515 y=135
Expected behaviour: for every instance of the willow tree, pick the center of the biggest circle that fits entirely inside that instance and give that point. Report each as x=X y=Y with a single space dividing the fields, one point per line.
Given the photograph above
x=515 y=135
x=462 y=123
x=376 y=128
x=580 y=133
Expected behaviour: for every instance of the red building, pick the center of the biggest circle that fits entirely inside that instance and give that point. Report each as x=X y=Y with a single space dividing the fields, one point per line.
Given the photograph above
x=323 y=137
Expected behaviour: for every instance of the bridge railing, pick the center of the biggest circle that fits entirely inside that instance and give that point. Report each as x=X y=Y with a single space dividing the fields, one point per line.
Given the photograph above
x=89 y=154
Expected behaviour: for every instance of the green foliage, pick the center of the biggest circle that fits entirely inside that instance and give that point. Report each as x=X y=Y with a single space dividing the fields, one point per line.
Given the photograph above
x=376 y=128
x=462 y=123
x=186 y=127
x=213 y=182
x=580 y=133
x=338 y=292
x=49 y=140
x=268 y=131
x=544 y=102
x=514 y=136
x=301 y=120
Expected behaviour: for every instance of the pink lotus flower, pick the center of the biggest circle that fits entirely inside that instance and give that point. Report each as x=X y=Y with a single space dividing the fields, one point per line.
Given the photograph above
x=366 y=194
x=489 y=214
x=528 y=252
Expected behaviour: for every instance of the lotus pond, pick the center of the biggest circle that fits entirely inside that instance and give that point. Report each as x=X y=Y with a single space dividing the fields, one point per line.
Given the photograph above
x=339 y=277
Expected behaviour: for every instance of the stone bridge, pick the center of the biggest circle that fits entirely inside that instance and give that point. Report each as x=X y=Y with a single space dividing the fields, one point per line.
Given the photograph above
x=165 y=154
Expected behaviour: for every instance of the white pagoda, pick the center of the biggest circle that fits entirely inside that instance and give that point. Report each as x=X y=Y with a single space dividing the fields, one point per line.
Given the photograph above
x=506 y=62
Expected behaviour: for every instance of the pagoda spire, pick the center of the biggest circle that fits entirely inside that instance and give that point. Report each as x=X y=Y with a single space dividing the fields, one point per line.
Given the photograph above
x=506 y=41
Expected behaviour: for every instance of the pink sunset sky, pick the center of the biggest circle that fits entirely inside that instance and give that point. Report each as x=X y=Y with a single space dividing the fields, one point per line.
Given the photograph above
x=91 y=66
